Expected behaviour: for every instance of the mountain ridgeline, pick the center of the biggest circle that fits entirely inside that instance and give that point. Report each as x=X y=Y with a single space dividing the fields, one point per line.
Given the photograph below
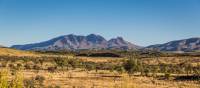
x=185 y=45
x=77 y=42
x=97 y=42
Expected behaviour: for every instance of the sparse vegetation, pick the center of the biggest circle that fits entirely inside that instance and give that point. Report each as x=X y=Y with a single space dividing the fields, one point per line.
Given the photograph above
x=134 y=67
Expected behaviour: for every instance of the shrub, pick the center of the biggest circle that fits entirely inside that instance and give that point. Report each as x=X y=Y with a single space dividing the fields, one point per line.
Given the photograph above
x=4 y=64
x=74 y=63
x=36 y=61
x=41 y=61
x=60 y=62
x=90 y=66
x=52 y=69
x=120 y=69
x=40 y=79
x=36 y=67
x=132 y=66
x=19 y=66
x=27 y=66
x=12 y=66
x=29 y=83
x=167 y=75
x=146 y=72
x=36 y=82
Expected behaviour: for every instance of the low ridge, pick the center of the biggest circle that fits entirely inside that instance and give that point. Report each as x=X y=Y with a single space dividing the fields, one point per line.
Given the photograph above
x=191 y=44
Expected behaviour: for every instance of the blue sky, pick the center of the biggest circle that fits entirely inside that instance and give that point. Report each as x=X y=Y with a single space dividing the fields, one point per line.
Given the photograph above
x=143 y=22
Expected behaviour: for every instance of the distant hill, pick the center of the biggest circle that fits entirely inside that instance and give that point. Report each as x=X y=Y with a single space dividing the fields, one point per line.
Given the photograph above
x=78 y=42
x=191 y=44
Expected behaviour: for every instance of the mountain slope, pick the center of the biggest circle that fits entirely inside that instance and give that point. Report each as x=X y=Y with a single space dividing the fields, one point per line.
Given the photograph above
x=191 y=44
x=120 y=43
x=75 y=42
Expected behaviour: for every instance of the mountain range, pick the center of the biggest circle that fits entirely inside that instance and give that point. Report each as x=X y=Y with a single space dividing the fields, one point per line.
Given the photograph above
x=191 y=44
x=78 y=42
x=93 y=41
